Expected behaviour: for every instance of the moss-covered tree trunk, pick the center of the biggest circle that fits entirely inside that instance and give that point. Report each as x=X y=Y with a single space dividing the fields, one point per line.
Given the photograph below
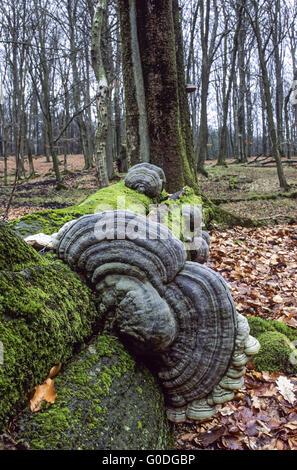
x=164 y=103
x=47 y=315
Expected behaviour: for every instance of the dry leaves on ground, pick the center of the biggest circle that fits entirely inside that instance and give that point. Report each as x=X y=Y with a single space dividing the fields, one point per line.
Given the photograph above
x=260 y=266
x=259 y=418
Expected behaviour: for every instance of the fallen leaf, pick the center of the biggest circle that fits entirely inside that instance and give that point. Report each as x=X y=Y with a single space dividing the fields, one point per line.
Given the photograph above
x=264 y=429
x=209 y=437
x=226 y=411
x=293 y=443
x=274 y=424
x=54 y=371
x=188 y=436
x=232 y=443
x=277 y=299
x=256 y=402
x=291 y=426
x=44 y=392
x=270 y=446
x=286 y=388
x=280 y=445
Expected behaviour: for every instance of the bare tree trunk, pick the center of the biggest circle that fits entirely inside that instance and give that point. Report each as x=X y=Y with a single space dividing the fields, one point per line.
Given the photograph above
x=132 y=112
x=3 y=137
x=241 y=97
x=189 y=169
x=234 y=111
x=102 y=96
x=226 y=98
x=209 y=44
x=72 y=13
x=249 y=109
x=266 y=84
x=117 y=109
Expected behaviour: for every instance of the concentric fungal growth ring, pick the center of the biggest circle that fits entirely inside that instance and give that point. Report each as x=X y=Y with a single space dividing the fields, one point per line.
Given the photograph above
x=146 y=178
x=175 y=314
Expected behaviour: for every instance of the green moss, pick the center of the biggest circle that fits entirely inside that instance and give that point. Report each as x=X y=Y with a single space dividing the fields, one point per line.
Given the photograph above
x=225 y=218
x=259 y=326
x=50 y=221
x=277 y=345
x=109 y=196
x=233 y=183
x=14 y=252
x=188 y=176
x=46 y=314
x=189 y=198
x=47 y=221
x=112 y=419
x=275 y=353
x=45 y=310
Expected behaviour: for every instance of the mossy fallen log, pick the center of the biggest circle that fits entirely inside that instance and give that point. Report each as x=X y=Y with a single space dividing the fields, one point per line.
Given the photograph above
x=50 y=220
x=47 y=313
x=45 y=310
x=118 y=196
x=104 y=401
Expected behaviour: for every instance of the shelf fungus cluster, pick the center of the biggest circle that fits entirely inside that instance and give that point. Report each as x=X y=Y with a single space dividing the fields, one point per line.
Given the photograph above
x=146 y=178
x=176 y=315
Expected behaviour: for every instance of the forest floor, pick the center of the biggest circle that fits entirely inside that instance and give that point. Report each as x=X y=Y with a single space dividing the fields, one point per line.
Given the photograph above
x=260 y=266
x=39 y=192
x=252 y=192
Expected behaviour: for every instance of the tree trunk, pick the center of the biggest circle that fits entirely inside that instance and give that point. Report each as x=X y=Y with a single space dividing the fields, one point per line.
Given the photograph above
x=72 y=12
x=267 y=93
x=102 y=96
x=107 y=61
x=189 y=169
x=209 y=45
x=164 y=102
x=117 y=108
x=223 y=144
x=131 y=107
x=241 y=97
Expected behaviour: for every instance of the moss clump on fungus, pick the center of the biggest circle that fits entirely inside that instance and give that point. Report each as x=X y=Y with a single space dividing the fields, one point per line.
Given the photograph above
x=277 y=346
x=98 y=405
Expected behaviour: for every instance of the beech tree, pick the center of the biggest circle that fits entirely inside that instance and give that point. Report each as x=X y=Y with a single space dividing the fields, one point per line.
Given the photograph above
x=157 y=115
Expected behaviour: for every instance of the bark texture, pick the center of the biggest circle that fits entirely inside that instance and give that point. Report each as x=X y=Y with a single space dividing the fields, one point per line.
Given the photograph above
x=164 y=89
x=102 y=95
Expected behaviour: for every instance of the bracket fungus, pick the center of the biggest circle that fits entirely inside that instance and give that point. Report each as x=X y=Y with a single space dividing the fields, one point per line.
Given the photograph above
x=177 y=315
x=146 y=178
